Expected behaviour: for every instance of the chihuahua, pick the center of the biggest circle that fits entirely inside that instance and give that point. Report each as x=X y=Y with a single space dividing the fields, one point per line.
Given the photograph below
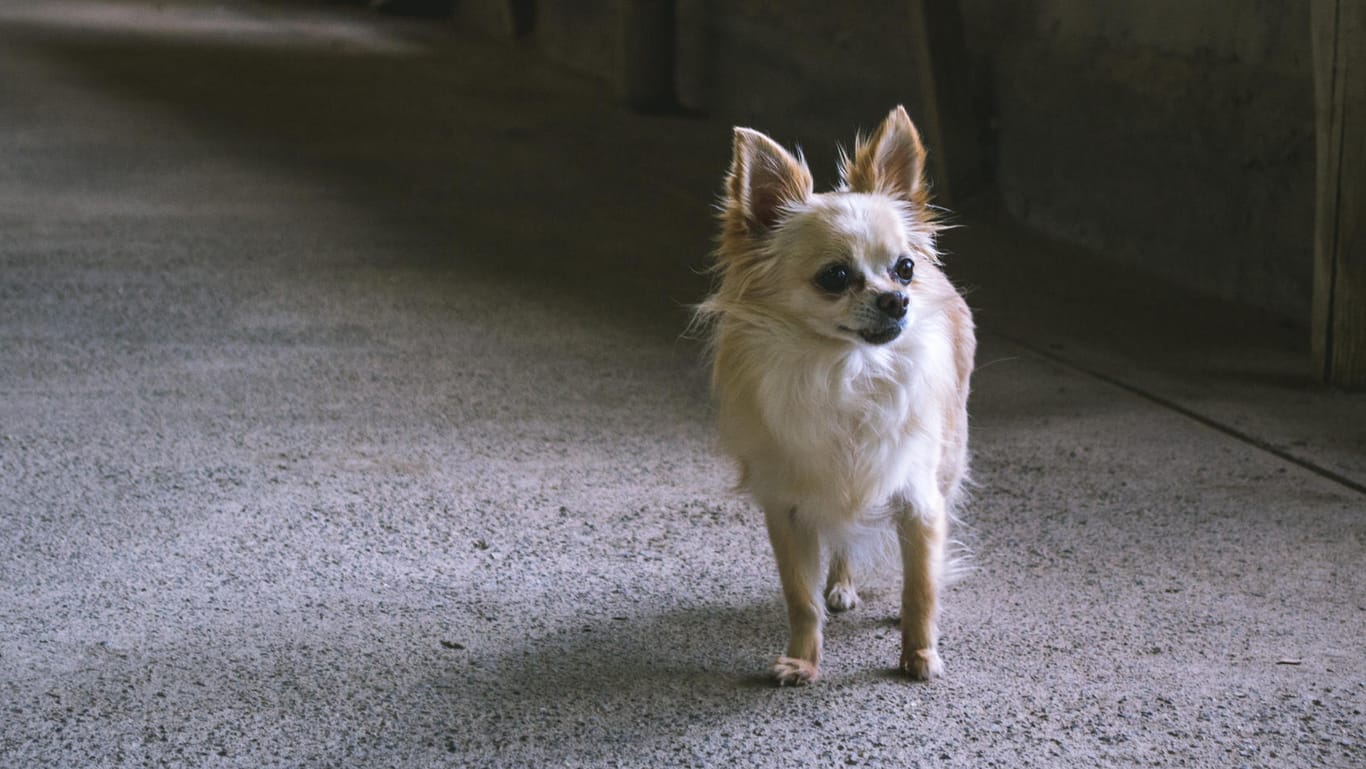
x=841 y=356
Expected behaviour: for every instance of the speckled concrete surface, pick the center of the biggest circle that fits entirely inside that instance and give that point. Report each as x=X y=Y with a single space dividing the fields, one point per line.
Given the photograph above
x=344 y=421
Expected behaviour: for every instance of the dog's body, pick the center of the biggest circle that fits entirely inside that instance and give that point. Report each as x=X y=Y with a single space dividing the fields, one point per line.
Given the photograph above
x=841 y=360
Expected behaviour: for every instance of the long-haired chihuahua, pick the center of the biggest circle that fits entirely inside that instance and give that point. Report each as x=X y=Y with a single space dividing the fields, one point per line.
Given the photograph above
x=841 y=356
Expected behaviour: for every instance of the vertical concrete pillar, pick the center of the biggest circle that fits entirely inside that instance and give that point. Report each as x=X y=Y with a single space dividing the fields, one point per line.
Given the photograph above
x=1339 y=310
x=941 y=73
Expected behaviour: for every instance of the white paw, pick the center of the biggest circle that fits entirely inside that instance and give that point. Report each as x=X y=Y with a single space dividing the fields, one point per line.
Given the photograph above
x=790 y=671
x=921 y=664
x=841 y=597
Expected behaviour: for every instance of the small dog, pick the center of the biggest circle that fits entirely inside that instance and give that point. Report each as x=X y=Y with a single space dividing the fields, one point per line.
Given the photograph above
x=841 y=356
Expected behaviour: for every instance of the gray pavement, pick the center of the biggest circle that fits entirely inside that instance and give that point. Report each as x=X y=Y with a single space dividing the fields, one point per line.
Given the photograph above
x=345 y=421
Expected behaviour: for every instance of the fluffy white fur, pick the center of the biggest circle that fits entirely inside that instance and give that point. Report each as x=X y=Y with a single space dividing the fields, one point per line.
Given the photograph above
x=839 y=432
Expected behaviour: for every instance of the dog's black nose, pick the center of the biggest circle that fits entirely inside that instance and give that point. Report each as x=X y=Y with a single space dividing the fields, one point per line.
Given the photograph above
x=893 y=304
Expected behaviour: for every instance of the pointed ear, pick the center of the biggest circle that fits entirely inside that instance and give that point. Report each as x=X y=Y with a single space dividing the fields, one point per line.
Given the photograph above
x=764 y=178
x=891 y=161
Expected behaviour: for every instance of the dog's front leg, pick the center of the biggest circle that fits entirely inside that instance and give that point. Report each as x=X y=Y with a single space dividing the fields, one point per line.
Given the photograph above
x=923 y=533
x=840 y=593
x=797 y=550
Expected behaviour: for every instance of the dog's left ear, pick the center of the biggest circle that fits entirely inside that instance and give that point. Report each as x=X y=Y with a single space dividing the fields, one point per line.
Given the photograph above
x=890 y=162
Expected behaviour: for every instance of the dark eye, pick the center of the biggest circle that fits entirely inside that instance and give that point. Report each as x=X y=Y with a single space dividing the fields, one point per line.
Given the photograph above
x=834 y=278
x=904 y=269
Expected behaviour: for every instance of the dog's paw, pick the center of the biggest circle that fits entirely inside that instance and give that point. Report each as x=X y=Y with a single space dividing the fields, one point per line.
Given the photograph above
x=790 y=671
x=841 y=598
x=921 y=664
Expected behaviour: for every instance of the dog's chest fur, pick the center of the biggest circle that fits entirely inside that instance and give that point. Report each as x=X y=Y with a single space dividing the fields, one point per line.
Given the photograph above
x=838 y=434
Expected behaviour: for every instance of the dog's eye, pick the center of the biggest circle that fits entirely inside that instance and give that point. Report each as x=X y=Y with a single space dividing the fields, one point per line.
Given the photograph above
x=834 y=278
x=904 y=269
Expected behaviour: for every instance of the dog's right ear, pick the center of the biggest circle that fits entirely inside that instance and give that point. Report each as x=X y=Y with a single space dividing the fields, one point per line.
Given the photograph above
x=764 y=180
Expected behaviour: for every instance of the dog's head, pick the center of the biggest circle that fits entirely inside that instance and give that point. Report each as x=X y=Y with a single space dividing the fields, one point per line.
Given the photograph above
x=839 y=265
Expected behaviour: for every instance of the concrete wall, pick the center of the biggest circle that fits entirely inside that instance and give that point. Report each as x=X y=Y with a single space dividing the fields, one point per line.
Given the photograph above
x=806 y=71
x=581 y=34
x=1174 y=135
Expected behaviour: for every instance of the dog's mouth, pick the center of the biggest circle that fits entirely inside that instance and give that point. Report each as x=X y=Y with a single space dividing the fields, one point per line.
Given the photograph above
x=877 y=335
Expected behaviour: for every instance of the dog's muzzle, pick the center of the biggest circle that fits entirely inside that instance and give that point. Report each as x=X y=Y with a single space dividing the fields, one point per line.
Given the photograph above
x=890 y=318
x=880 y=320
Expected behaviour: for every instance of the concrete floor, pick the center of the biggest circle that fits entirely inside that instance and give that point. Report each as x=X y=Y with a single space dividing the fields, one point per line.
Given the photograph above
x=344 y=421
